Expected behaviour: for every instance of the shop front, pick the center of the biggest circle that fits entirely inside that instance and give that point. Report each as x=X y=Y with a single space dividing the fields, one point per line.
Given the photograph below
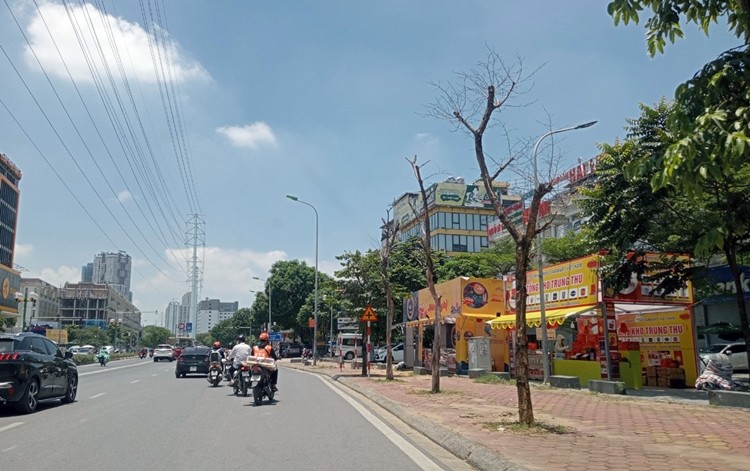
x=650 y=340
x=467 y=304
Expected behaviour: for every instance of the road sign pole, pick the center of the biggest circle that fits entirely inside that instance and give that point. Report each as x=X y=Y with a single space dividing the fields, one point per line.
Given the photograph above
x=368 y=349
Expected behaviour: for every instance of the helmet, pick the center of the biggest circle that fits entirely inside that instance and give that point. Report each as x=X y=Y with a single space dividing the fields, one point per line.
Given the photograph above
x=240 y=338
x=263 y=336
x=217 y=344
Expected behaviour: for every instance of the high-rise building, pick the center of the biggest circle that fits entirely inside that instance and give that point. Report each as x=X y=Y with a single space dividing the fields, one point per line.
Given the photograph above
x=10 y=279
x=112 y=269
x=87 y=273
x=213 y=311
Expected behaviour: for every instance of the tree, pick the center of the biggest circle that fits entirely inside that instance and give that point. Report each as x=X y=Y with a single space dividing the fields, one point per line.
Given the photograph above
x=471 y=106
x=709 y=156
x=571 y=245
x=423 y=214
x=153 y=336
x=204 y=339
x=390 y=237
x=487 y=263
x=666 y=22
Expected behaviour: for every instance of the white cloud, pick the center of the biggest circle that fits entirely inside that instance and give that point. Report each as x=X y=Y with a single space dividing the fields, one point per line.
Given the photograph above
x=251 y=135
x=124 y=196
x=133 y=45
x=57 y=276
x=21 y=250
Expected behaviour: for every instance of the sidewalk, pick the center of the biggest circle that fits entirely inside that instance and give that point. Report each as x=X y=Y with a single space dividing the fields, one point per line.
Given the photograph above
x=600 y=432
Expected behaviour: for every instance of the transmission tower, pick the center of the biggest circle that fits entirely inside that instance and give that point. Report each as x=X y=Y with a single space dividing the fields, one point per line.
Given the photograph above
x=196 y=237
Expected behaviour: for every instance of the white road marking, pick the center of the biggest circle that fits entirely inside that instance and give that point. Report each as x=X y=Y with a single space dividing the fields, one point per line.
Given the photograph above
x=105 y=369
x=10 y=426
x=155 y=374
x=419 y=458
x=97 y=395
x=136 y=381
x=9 y=448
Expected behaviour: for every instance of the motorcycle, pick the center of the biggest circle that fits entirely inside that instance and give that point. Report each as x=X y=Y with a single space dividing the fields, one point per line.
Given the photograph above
x=103 y=358
x=142 y=354
x=240 y=378
x=717 y=376
x=260 y=377
x=215 y=369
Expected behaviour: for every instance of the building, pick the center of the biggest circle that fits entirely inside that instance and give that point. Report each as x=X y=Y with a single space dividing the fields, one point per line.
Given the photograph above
x=10 y=279
x=112 y=269
x=97 y=305
x=213 y=311
x=45 y=309
x=458 y=213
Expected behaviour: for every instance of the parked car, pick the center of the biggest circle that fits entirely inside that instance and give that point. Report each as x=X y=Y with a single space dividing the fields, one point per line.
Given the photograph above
x=293 y=350
x=396 y=350
x=193 y=360
x=164 y=352
x=33 y=369
x=86 y=350
x=734 y=354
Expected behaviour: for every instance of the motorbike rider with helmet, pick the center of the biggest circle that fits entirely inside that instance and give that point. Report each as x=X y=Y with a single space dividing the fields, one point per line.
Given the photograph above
x=265 y=350
x=239 y=353
x=217 y=353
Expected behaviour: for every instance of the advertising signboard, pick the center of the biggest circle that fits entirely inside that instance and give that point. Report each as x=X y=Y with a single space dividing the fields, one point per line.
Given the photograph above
x=572 y=283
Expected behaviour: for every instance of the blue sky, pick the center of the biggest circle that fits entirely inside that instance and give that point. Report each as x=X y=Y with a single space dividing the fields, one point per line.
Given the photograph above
x=321 y=99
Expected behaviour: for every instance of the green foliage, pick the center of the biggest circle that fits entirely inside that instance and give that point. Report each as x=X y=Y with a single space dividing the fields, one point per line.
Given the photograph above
x=668 y=15
x=488 y=263
x=568 y=247
x=153 y=335
x=87 y=336
x=204 y=339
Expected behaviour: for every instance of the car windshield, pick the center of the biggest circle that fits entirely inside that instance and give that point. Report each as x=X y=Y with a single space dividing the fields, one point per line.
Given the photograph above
x=6 y=345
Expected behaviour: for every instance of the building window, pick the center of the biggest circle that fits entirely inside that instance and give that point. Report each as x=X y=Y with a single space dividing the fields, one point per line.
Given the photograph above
x=456 y=221
x=483 y=222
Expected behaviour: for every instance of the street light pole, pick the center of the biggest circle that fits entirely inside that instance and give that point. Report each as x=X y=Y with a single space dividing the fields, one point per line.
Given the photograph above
x=540 y=267
x=315 y=327
x=269 y=299
x=25 y=297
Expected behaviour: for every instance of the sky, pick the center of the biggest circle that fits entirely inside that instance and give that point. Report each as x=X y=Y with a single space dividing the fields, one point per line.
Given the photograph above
x=222 y=108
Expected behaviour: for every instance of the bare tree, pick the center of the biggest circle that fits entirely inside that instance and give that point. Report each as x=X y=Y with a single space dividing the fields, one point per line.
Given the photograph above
x=390 y=232
x=421 y=213
x=482 y=92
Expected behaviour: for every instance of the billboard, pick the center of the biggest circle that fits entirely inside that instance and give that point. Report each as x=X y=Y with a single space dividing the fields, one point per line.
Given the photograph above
x=463 y=295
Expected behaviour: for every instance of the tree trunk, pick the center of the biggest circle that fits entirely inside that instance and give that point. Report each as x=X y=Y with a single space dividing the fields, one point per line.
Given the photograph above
x=525 y=407
x=389 y=326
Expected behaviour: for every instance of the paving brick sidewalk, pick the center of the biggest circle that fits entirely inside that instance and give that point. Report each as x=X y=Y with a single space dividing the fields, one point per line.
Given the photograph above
x=603 y=432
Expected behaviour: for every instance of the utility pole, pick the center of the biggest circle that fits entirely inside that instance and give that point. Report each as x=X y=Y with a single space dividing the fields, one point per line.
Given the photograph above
x=196 y=238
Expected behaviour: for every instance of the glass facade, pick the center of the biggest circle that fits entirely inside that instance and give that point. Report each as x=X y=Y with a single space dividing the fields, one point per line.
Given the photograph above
x=442 y=222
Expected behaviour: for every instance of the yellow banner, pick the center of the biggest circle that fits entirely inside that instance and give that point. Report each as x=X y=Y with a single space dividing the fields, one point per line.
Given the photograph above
x=572 y=283
x=665 y=339
x=60 y=336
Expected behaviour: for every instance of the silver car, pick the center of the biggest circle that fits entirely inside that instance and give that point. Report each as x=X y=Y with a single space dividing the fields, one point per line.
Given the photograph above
x=734 y=354
x=164 y=352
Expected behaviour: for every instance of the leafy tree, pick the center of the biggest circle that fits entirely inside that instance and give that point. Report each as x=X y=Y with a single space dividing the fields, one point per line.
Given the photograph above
x=488 y=263
x=571 y=245
x=709 y=157
x=204 y=339
x=154 y=335
x=668 y=15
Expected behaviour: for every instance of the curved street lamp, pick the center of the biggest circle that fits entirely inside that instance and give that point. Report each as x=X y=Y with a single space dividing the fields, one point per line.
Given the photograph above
x=543 y=317
x=24 y=298
x=315 y=327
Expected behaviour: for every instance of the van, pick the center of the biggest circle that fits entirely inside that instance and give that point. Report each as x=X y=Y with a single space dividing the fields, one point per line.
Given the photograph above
x=349 y=345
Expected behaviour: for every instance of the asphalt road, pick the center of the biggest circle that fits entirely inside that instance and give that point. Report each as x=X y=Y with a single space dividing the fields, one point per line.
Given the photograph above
x=135 y=415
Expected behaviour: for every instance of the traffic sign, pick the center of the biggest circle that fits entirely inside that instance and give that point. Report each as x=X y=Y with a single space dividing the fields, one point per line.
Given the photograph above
x=345 y=320
x=369 y=315
x=181 y=326
x=274 y=337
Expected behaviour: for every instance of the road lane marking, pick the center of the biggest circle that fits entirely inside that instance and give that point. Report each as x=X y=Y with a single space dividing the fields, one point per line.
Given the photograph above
x=10 y=426
x=97 y=395
x=136 y=381
x=9 y=448
x=109 y=369
x=155 y=374
x=412 y=452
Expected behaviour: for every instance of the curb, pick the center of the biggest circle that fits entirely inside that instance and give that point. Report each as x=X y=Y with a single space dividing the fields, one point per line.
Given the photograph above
x=473 y=453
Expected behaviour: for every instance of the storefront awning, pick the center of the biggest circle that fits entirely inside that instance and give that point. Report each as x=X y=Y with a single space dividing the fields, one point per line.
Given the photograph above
x=480 y=315
x=534 y=319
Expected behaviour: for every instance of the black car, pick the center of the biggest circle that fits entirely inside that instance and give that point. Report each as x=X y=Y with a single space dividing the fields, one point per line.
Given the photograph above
x=33 y=369
x=193 y=360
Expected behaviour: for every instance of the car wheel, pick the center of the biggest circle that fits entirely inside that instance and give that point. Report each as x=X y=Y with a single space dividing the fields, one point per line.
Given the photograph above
x=30 y=399
x=70 y=394
x=349 y=356
x=155 y=359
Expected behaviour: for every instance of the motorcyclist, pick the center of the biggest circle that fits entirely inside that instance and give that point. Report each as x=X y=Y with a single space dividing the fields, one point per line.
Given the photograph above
x=265 y=350
x=217 y=353
x=239 y=353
